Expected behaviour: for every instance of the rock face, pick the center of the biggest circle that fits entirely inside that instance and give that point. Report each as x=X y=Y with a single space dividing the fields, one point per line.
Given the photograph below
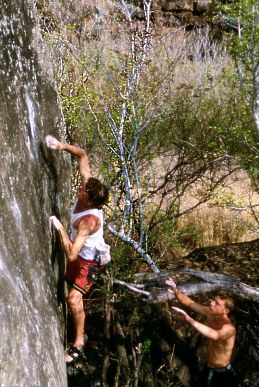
x=34 y=185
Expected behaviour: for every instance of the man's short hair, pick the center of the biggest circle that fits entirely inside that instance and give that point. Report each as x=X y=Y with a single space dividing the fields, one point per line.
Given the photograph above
x=98 y=193
x=228 y=300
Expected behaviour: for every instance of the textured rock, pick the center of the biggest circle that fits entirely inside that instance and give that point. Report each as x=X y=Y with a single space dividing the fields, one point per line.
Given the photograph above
x=34 y=185
x=240 y=260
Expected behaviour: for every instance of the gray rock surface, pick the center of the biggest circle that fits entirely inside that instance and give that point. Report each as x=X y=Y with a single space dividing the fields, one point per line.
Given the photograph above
x=34 y=185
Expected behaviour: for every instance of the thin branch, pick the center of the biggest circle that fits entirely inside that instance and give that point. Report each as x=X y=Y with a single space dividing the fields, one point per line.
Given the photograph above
x=131 y=242
x=133 y=288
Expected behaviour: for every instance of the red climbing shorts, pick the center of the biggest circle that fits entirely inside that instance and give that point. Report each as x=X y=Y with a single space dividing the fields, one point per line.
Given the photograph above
x=80 y=274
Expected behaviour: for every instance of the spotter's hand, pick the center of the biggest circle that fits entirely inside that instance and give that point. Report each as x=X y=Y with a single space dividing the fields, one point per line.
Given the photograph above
x=180 y=314
x=171 y=283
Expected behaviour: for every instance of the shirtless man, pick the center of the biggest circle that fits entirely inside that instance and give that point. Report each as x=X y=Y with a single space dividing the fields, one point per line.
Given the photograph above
x=85 y=242
x=220 y=333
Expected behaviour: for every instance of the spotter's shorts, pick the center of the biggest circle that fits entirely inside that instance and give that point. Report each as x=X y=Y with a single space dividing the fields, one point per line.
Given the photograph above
x=80 y=274
x=219 y=377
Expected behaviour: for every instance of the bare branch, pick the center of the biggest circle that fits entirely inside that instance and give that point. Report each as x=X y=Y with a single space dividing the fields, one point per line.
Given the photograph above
x=136 y=247
x=131 y=287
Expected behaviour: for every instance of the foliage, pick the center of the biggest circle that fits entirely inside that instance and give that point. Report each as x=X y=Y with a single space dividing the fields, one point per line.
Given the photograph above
x=160 y=114
x=163 y=118
x=243 y=45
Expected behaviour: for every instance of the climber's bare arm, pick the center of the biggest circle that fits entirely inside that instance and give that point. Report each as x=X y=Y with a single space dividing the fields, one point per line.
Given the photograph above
x=84 y=166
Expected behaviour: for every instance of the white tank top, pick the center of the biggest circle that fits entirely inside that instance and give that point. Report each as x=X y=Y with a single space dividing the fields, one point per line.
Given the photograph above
x=94 y=241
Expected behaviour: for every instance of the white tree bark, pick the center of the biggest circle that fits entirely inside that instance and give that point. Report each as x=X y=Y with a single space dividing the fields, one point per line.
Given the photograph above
x=256 y=98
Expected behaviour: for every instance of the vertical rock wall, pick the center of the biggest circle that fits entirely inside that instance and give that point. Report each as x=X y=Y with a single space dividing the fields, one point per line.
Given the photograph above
x=34 y=185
